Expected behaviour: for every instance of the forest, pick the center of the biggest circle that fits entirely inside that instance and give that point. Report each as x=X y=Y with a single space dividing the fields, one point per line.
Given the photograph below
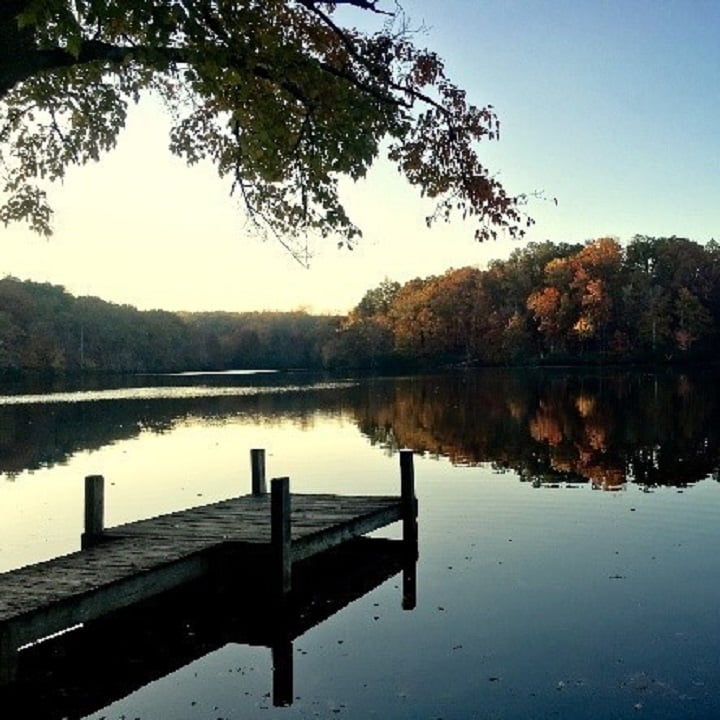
x=651 y=300
x=44 y=328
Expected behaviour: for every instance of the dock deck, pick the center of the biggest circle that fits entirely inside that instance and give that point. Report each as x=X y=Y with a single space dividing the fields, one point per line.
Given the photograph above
x=130 y=563
x=314 y=520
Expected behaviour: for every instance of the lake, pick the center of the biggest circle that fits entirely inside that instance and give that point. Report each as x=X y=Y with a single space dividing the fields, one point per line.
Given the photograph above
x=568 y=532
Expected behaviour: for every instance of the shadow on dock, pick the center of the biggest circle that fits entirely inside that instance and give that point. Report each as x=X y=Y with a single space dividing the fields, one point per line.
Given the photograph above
x=83 y=670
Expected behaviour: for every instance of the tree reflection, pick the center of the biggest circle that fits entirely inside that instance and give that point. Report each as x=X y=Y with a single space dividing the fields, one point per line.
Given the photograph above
x=43 y=434
x=606 y=429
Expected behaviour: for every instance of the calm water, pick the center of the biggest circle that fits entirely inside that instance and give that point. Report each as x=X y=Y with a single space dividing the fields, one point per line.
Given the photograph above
x=568 y=533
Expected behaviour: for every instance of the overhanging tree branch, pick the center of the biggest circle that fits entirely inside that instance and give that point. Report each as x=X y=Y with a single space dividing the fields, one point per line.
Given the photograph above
x=278 y=94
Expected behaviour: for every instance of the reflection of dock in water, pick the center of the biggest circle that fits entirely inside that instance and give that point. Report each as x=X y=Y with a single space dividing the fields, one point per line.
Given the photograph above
x=82 y=671
x=279 y=551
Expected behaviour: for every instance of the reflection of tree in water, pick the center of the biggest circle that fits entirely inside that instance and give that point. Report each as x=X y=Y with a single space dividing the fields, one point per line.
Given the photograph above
x=44 y=434
x=550 y=427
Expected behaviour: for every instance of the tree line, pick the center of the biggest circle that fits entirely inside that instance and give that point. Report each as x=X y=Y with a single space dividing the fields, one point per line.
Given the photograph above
x=44 y=328
x=654 y=300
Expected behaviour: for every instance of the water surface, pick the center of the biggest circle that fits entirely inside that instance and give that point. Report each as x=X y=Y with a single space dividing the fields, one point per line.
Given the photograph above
x=567 y=533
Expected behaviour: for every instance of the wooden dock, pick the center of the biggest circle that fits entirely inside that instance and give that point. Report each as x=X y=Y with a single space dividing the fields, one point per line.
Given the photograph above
x=124 y=565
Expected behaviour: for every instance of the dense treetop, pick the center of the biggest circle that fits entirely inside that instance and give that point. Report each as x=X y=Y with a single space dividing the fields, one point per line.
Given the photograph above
x=657 y=299
x=283 y=96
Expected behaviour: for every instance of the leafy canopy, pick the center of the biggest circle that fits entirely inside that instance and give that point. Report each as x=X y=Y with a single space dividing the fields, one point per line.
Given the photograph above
x=283 y=96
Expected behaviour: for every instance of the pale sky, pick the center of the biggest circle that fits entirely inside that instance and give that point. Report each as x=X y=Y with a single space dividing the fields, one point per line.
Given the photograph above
x=610 y=106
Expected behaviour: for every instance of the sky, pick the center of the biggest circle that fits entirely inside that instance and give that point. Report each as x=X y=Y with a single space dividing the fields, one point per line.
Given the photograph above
x=611 y=106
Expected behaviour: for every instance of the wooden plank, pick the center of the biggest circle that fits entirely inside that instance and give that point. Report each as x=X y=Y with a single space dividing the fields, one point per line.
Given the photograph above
x=76 y=608
x=324 y=539
x=247 y=519
x=30 y=588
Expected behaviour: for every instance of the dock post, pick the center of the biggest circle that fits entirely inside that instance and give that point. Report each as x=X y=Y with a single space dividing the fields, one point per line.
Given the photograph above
x=280 y=535
x=257 y=467
x=94 y=510
x=410 y=530
x=409 y=502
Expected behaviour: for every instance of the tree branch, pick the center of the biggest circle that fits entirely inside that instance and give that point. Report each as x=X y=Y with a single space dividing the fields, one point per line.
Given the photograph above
x=20 y=59
x=349 y=45
x=15 y=44
x=14 y=70
x=370 y=5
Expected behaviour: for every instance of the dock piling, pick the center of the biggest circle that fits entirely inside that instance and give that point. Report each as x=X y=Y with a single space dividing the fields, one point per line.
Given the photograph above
x=281 y=547
x=94 y=510
x=410 y=529
x=408 y=500
x=257 y=466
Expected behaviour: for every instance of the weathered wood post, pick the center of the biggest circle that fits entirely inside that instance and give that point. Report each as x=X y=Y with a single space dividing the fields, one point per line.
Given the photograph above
x=94 y=510
x=281 y=548
x=257 y=468
x=410 y=529
x=407 y=496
